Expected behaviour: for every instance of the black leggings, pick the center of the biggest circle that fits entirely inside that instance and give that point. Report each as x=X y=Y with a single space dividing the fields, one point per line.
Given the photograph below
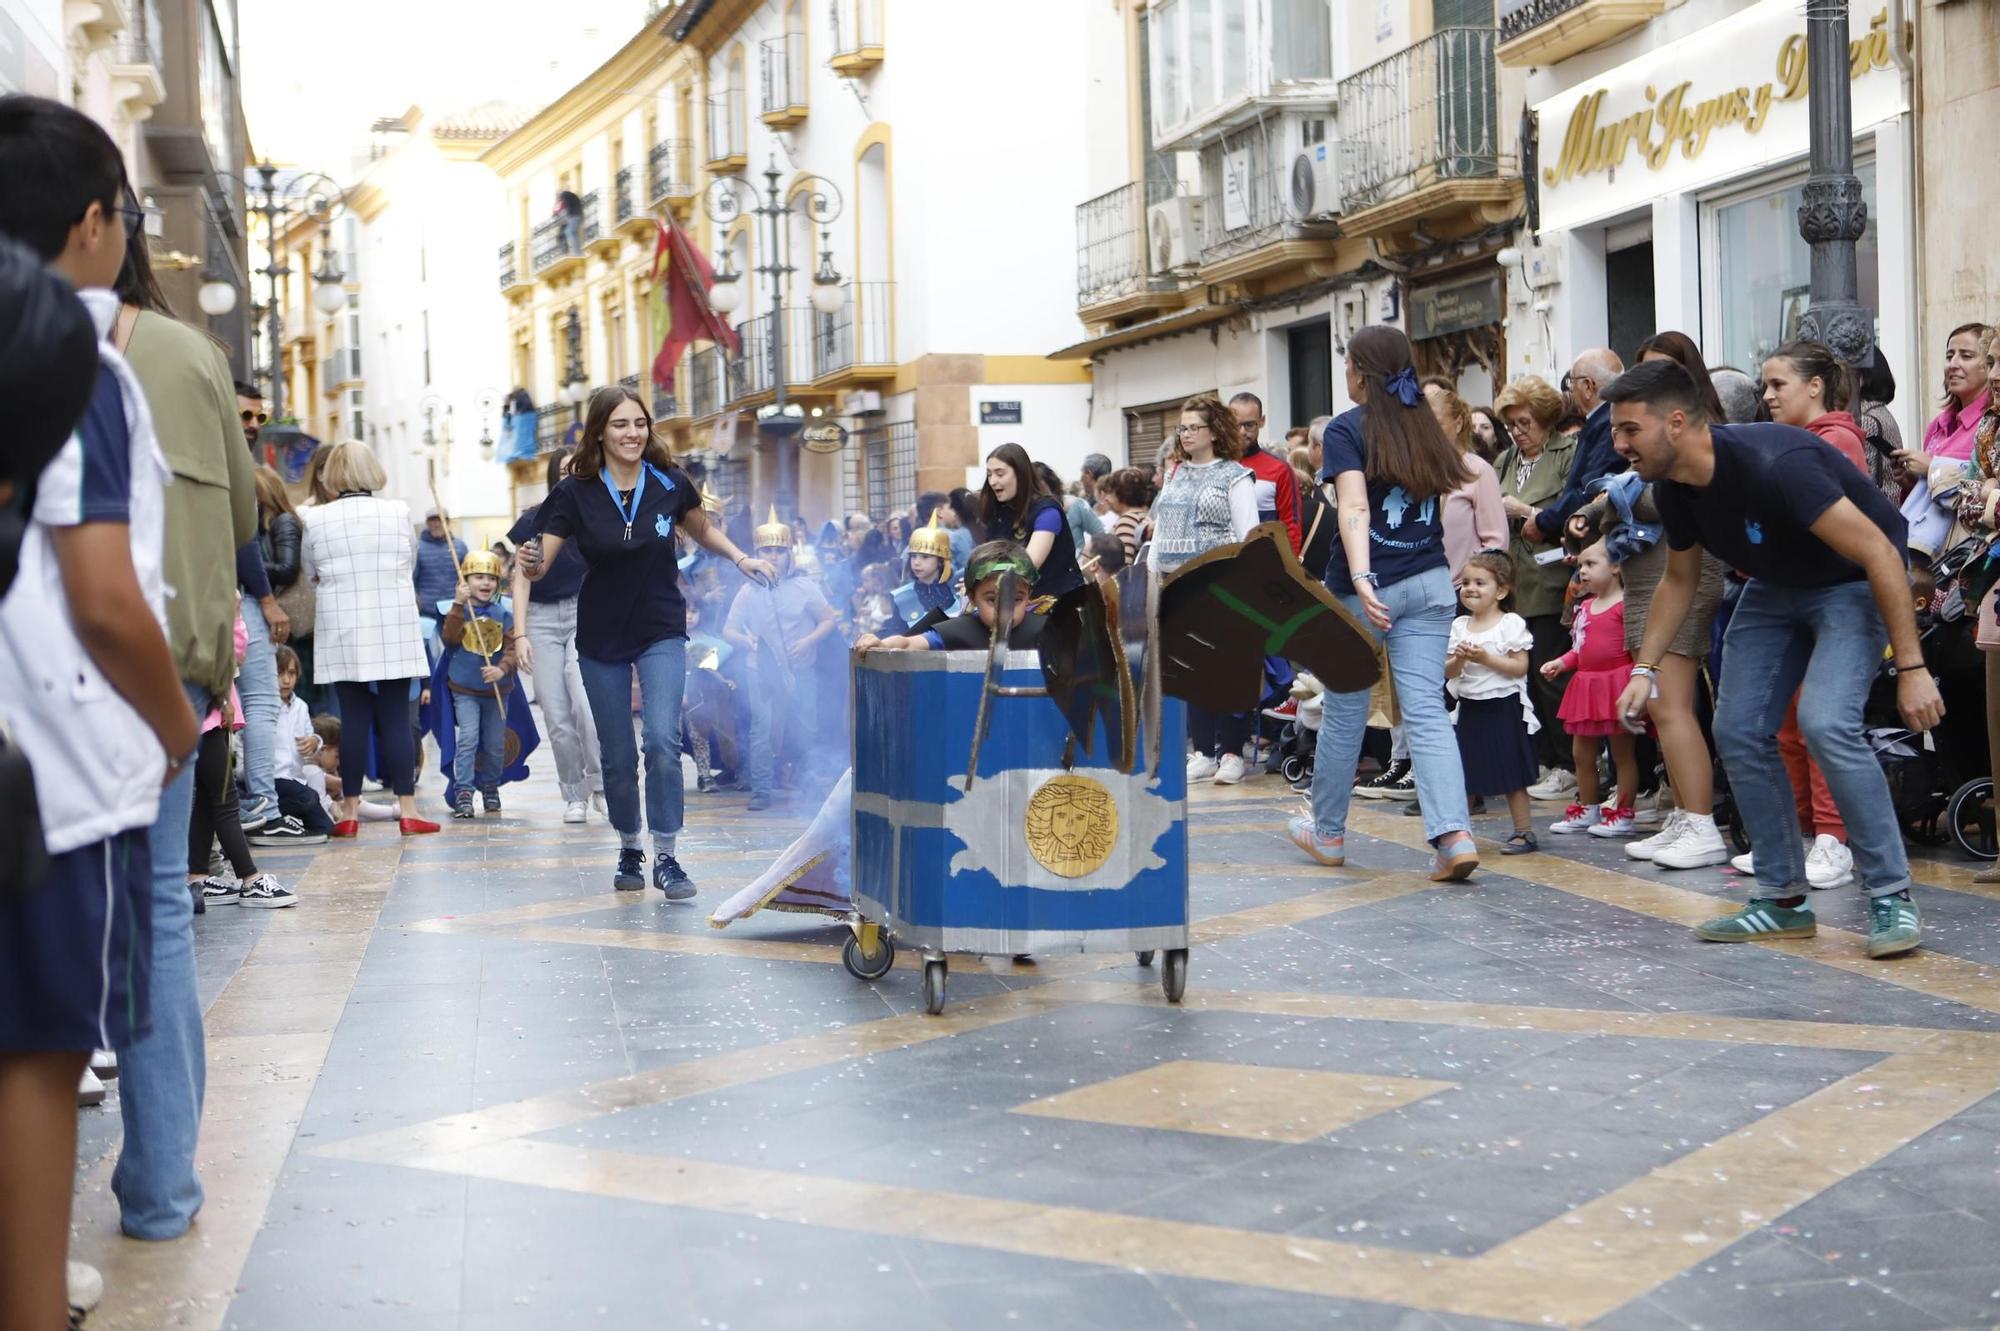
x=215 y=815
x=381 y=710
x=1216 y=733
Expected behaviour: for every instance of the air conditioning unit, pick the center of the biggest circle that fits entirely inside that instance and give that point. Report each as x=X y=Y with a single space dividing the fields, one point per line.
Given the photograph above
x=861 y=402
x=1172 y=234
x=1315 y=188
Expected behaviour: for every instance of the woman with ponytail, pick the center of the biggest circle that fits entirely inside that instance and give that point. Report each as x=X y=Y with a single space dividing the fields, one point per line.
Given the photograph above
x=1390 y=468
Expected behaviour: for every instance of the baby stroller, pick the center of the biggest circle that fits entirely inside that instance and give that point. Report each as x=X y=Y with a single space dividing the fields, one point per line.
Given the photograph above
x=1961 y=787
x=1298 y=741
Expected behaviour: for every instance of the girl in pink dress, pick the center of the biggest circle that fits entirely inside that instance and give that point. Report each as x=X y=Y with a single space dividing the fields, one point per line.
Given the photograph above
x=1590 y=705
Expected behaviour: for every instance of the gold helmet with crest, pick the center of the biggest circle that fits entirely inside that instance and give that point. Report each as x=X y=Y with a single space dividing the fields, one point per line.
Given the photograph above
x=775 y=534
x=482 y=561
x=934 y=540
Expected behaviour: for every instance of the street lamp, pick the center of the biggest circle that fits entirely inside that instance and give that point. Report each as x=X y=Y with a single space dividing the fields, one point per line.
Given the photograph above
x=576 y=385
x=728 y=198
x=1832 y=214
x=311 y=193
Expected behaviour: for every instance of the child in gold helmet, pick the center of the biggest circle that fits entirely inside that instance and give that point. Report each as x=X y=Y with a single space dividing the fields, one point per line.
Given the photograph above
x=480 y=632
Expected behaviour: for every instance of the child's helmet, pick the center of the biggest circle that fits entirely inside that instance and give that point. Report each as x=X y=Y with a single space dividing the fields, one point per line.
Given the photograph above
x=482 y=561
x=934 y=541
x=775 y=533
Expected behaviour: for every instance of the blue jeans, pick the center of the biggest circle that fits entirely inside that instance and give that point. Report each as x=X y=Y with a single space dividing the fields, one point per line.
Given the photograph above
x=779 y=725
x=481 y=743
x=1830 y=640
x=662 y=671
x=1421 y=609
x=163 y=1077
x=257 y=686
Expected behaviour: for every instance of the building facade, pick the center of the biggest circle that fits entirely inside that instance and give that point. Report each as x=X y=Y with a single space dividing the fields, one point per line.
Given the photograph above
x=1269 y=176
x=951 y=245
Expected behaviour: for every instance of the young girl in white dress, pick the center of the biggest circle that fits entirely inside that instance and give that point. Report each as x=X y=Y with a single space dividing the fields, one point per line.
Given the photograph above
x=1486 y=669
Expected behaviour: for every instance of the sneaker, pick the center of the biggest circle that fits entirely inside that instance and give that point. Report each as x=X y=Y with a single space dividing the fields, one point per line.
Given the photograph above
x=1521 y=843
x=89 y=1090
x=1744 y=863
x=1288 y=710
x=759 y=802
x=86 y=1288
x=490 y=800
x=463 y=809
x=1830 y=864
x=597 y=803
x=1201 y=767
x=1655 y=809
x=1761 y=918
x=1304 y=784
x=104 y=1063
x=671 y=879
x=1613 y=822
x=631 y=875
x=1554 y=785
x=266 y=892
x=1456 y=858
x=1230 y=770
x=706 y=784
x=1577 y=818
x=576 y=812
x=1378 y=786
x=1647 y=847
x=1893 y=927
x=1700 y=846
x=1330 y=851
x=218 y=891
x=286 y=831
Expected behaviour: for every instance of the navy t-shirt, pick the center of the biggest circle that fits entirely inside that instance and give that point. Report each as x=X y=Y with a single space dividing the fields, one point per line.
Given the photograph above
x=631 y=596
x=1771 y=483
x=564 y=576
x=1405 y=534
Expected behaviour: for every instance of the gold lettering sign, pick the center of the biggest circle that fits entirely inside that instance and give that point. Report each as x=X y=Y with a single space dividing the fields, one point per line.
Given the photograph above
x=1677 y=118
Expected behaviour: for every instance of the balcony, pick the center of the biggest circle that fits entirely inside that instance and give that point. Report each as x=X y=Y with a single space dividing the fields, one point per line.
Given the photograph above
x=339 y=370
x=670 y=171
x=857 y=35
x=1541 y=32
x=727 y=151
x=135 y=68
x=855 y=344
x=784 y=81
x=598 y=238
x=709 y=378
x=553 y=425
x=629 y=210
x=512 y=280
x=1249 y=228
x=1420 y=136
x=557 y=247
x=755 y=377
x=1122 y=270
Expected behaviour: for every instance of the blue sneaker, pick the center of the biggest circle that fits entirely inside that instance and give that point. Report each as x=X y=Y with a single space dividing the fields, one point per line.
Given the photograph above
x=1893 y=926
x=1330 y=851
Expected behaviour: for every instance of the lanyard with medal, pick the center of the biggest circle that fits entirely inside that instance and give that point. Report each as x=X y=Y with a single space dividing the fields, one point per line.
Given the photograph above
x=638 y=496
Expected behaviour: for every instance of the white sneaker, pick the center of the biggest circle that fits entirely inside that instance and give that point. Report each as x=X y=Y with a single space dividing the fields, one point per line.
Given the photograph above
x=1201 y=767
x=86 y=1286
x=1828 y=864
x=1648 y=847
x=576 y=812
x=105 y=1064
x=1655 y=809
x=1613 y=822
x=1230 y=771
x=1700 y=845
x=1743 y=863
x=1577 y=818
x=1557 y=785
x=90 y=1090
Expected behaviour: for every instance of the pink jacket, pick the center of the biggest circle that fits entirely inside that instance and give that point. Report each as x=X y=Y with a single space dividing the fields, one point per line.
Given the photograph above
x=1951 y=431
x=214 y=718
x=1473 y=518
x=1844 y=432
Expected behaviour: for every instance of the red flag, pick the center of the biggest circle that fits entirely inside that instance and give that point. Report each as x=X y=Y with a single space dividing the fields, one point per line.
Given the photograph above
x=681 y=314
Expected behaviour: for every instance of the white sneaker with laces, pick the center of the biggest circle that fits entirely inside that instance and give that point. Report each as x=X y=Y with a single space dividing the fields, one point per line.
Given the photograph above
x=1201 y=767
x=1229 y=771
x=1700 y=845
x=1557 y=785
x=1647 y=847
x=1577 y=818
x=576 y=812
x=1828 y=864
x=1743 y=863
x=1613 y=822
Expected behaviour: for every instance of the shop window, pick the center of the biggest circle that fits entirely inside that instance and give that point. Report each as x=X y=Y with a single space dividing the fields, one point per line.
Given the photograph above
x=1761 y=275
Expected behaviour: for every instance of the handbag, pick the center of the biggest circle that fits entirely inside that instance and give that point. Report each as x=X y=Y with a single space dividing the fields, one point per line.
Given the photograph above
x=24 y=856
x=297 y=603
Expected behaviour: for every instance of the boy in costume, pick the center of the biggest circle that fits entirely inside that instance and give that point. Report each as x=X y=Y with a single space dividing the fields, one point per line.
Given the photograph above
x=972 y=629
x=779 y=630
x=478 y=666
x=929 y=588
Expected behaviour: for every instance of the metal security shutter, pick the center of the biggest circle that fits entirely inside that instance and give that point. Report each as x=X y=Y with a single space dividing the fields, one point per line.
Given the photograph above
x=1149 y=429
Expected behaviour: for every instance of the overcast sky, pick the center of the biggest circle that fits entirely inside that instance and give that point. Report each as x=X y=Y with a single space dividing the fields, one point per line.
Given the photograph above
x=314 y=79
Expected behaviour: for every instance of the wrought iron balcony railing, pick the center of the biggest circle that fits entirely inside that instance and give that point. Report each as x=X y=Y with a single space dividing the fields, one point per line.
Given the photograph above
x=1114 y=255
x=1427 y=113
x=784 y=77
x=725 y=126
x=510 y=271
x=670 y=168
x=554 y=240
x=858 y=333
x=624 y=207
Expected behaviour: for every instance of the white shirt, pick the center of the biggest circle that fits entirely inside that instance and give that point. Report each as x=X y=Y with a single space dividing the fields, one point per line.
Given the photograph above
x=1477 y=680
x=294 y=724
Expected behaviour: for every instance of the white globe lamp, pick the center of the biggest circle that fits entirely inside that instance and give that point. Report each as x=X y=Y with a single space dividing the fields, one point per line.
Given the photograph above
x=827 y=297
x=329 y=298
x=726 y=295
x=216 y=298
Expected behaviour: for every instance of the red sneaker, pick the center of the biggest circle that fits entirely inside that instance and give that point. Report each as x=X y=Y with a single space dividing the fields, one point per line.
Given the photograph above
x=350 y=828
x=1286 y=711
x=416 y=826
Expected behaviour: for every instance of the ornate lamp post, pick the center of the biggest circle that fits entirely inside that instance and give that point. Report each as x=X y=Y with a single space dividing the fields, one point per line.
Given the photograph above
x=276 y=200
x=1832 y=215
x=576 y=384
x=727 y=199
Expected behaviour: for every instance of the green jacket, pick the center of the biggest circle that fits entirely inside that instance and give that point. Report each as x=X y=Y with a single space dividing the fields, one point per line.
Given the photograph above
x=1538 y=588
x=212 y=503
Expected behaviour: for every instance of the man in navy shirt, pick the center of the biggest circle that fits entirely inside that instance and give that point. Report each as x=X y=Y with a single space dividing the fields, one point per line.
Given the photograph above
x=1828 y=588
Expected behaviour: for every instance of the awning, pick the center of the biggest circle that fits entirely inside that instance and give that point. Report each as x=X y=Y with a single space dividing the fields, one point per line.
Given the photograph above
x=1166 y=325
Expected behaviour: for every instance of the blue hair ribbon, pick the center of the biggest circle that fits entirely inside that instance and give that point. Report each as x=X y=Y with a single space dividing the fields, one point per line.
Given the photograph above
x=1403 y=383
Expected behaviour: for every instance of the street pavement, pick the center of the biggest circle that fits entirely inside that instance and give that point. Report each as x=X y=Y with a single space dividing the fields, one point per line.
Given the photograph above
x=463 y=1084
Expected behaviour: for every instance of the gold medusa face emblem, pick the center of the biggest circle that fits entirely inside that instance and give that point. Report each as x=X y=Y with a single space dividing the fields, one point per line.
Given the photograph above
x=1072 y=825
x=483 y=636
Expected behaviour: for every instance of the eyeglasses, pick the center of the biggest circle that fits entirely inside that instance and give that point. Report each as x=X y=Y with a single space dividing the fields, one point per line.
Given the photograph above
x=254 y=418
x=1187 y=430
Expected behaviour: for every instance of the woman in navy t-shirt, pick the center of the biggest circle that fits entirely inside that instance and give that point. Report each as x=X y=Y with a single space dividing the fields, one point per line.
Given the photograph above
x=1390 y=468
x=619 y=508
x=1015 y=506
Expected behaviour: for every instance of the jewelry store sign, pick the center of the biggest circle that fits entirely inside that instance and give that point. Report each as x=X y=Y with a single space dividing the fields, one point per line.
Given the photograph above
x=1721 y=102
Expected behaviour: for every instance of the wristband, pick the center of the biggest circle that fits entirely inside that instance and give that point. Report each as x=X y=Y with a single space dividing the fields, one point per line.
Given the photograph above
x=1365 y=575
x=1649 y=672
x=1895 y=670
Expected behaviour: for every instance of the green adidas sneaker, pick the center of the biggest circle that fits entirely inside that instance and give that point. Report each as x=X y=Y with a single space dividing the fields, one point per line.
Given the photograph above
x=1892 y=926
x=1759 y=919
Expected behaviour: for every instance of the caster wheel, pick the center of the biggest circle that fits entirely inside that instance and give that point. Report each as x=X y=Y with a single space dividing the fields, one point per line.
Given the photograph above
x=934 y=973
x=1294 y=768
x=1971 y=819
x=1146 y=957
x=863 y=966
x=1173 y=975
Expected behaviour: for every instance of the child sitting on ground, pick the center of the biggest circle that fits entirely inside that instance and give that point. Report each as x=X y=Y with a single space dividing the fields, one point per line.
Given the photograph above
x=297 y=744
x=321 y=773
x=973 y=629
x=480 y=633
